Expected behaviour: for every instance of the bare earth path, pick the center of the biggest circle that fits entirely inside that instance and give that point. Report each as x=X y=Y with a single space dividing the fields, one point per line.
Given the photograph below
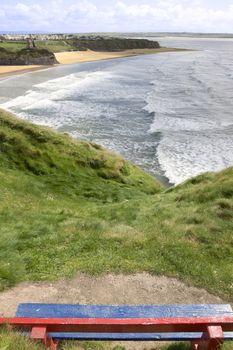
x=108 y=289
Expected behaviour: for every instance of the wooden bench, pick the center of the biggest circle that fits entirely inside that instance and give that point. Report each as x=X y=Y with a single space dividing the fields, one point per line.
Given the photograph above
x=206 y=326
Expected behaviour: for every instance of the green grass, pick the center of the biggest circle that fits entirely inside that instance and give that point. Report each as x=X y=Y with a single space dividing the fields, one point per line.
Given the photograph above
x=10 y=340
x=94 y=345
x=12 y=46
x=55 y=45
x=100 y=345
x=51 y=45
x=69 y=206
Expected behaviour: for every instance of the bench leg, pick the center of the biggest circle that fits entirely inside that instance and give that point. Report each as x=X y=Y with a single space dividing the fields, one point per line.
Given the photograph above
x=216 y=337
x=194 y=345
x=214 y=341
x=52 y=344
x=40 y=333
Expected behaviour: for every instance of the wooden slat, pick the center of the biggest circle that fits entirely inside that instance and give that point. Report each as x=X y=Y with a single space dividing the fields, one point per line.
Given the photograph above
x=125 y=311
x=122 y=311
x=187 y=336
x=140 y=325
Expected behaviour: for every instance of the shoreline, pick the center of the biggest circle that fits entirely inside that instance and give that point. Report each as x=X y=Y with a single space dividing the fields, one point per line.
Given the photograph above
x=74 y=57
x=8 y=71
x=162 y=179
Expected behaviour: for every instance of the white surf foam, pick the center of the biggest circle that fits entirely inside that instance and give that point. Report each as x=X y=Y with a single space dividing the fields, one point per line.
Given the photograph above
x=45 y=95
x=193 y=114
x=190 y=96
x=184 y=155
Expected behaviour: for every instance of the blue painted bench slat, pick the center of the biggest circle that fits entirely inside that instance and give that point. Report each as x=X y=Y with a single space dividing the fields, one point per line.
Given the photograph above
x=111 y=311
x=134 y=337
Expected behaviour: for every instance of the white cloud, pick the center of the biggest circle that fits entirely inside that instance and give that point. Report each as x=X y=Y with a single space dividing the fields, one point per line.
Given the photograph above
x=86 y=15
x=22 y=9
x=175 y=15
x=2 y=13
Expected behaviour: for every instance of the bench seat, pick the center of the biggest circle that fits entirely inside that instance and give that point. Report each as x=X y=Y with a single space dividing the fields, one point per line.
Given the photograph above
x=111 y=311
x=124 y=311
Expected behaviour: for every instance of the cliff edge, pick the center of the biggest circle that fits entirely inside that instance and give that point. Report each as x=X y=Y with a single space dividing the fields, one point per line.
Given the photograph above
x=27 y=57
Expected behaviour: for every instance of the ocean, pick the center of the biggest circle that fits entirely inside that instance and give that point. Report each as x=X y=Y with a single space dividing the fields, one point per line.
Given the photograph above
x=170 y=113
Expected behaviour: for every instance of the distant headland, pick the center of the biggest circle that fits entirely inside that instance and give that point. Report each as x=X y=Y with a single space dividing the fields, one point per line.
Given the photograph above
x=21 y=51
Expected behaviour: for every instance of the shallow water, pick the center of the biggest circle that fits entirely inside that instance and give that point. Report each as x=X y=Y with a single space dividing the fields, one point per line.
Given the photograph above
x=170 y=113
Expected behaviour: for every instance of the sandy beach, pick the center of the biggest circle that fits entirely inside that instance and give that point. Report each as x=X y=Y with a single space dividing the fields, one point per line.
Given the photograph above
x=72 y=57
x=88 y=56
x=10 y=70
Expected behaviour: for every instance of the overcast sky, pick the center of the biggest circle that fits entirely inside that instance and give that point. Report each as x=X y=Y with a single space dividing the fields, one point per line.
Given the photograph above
x=123 y=15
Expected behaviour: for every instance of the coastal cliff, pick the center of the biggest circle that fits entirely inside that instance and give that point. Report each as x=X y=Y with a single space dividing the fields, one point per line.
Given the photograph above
x=27 y=57
x=113 y=44
x=42 y=53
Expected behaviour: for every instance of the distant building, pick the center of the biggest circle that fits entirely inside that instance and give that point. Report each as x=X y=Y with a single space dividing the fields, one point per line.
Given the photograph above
x=17 y=37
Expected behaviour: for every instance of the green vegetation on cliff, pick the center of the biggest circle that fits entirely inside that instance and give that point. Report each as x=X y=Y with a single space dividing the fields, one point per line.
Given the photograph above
x=113 y=44
x=12 y=45
x=50 y=45
x=26 y=57
x=84 y=43
x=68 y=206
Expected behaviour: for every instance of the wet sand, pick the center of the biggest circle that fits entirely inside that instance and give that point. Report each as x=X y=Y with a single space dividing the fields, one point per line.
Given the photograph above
x=12 y=70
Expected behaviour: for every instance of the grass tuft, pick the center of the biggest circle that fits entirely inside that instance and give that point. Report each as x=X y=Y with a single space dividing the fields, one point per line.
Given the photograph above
x=10 y=340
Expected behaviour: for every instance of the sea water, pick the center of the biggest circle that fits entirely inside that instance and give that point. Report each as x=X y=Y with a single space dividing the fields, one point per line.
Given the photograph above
x=170 y=113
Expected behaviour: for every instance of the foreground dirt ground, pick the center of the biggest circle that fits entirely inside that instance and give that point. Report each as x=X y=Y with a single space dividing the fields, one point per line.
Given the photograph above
x=108 y=289
x=112 y=289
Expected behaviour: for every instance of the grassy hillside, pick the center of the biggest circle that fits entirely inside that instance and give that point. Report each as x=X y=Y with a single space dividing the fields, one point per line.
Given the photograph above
x=51 y=45
x=49 y=186
x=68 y=206
x=12 y=46
x=84 y=43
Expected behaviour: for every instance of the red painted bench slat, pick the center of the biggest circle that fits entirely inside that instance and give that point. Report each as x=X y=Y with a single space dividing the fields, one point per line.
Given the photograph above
x=122 y=325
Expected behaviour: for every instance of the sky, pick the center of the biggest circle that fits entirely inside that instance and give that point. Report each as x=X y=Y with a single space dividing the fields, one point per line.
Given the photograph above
x=117 y=16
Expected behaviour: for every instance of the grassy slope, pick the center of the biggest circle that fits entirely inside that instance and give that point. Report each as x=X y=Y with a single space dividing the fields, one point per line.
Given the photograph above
x=55 y=45
x=49 y=186
x=68 y=206
x=12 y=46
x=82 y=208
x=110 y=44
x=51 y=45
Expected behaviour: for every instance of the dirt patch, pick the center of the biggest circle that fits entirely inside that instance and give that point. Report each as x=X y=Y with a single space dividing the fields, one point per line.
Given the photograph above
x=108 y=289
